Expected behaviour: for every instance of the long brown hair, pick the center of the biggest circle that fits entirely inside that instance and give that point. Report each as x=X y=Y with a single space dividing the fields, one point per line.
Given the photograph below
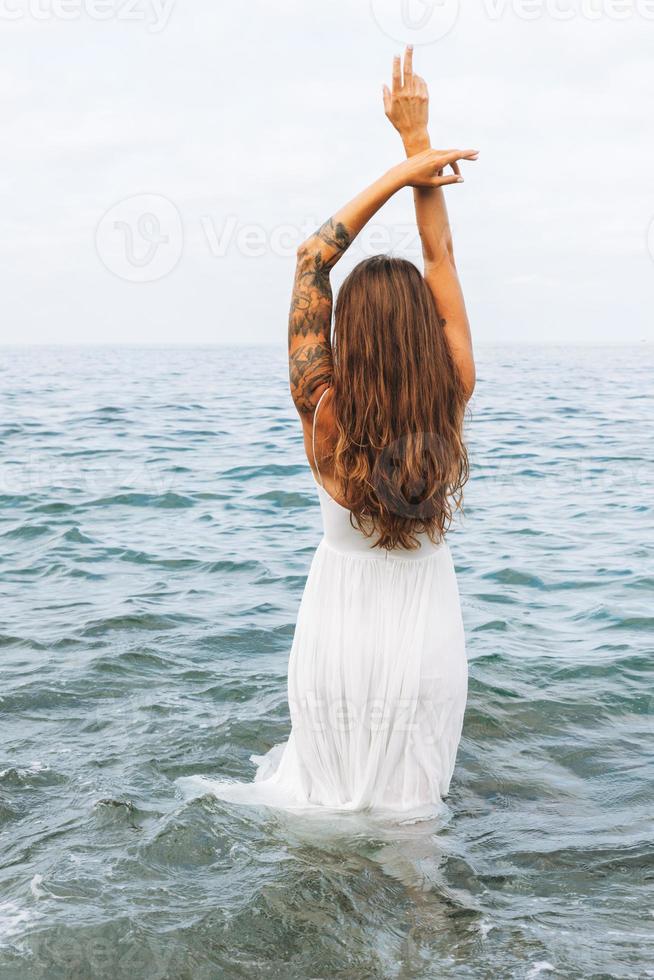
x=399 y=405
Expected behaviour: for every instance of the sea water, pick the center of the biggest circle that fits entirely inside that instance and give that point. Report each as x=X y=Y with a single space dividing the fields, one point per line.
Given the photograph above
x=157 y=522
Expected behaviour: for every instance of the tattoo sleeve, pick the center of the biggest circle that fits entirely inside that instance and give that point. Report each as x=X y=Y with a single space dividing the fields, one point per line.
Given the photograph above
x=309 y=325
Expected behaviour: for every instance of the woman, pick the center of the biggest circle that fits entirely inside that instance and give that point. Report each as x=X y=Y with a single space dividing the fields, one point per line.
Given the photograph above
x=377 y=672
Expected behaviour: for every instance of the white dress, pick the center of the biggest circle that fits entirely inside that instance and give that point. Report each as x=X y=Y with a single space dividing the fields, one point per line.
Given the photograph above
x=377 y=681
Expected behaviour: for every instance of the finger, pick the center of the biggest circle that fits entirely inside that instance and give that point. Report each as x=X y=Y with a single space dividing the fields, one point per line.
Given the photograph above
x=408 y=64
x=444 y=181
x=387 y=99
x=397 y=74
x=456 y=168
x=421 y=85
x=461 y=154
x=451 y=156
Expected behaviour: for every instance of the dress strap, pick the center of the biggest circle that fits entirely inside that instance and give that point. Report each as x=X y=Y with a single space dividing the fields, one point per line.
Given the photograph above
x=313 y=436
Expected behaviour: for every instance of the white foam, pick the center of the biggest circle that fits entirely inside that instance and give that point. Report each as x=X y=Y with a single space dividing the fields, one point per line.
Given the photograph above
x=542 y=966
x=37 y=889
x=13 y=920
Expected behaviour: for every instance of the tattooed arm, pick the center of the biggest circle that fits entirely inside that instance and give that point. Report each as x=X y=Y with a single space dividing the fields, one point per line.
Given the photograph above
x=309 y=328
x=407 y=107
x=309 y=325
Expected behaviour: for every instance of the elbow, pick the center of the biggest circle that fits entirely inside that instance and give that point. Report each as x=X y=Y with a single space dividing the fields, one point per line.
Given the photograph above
x=307 y=249
x=439 y=262
x=448 y=246
x=469 y=380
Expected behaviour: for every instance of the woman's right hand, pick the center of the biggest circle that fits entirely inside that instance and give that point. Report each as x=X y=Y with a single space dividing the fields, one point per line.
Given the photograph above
x=426 y=169
x=407 y=104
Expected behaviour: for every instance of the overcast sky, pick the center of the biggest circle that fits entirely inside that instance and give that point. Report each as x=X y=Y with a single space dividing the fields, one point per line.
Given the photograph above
x=161 y=160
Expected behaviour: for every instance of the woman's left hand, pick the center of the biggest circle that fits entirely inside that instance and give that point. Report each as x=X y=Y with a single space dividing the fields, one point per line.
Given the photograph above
x=426 y=169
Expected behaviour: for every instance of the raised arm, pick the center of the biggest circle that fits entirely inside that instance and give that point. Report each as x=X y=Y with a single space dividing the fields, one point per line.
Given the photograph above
x=309 y=329
x=309 y=325
x=407 y=107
